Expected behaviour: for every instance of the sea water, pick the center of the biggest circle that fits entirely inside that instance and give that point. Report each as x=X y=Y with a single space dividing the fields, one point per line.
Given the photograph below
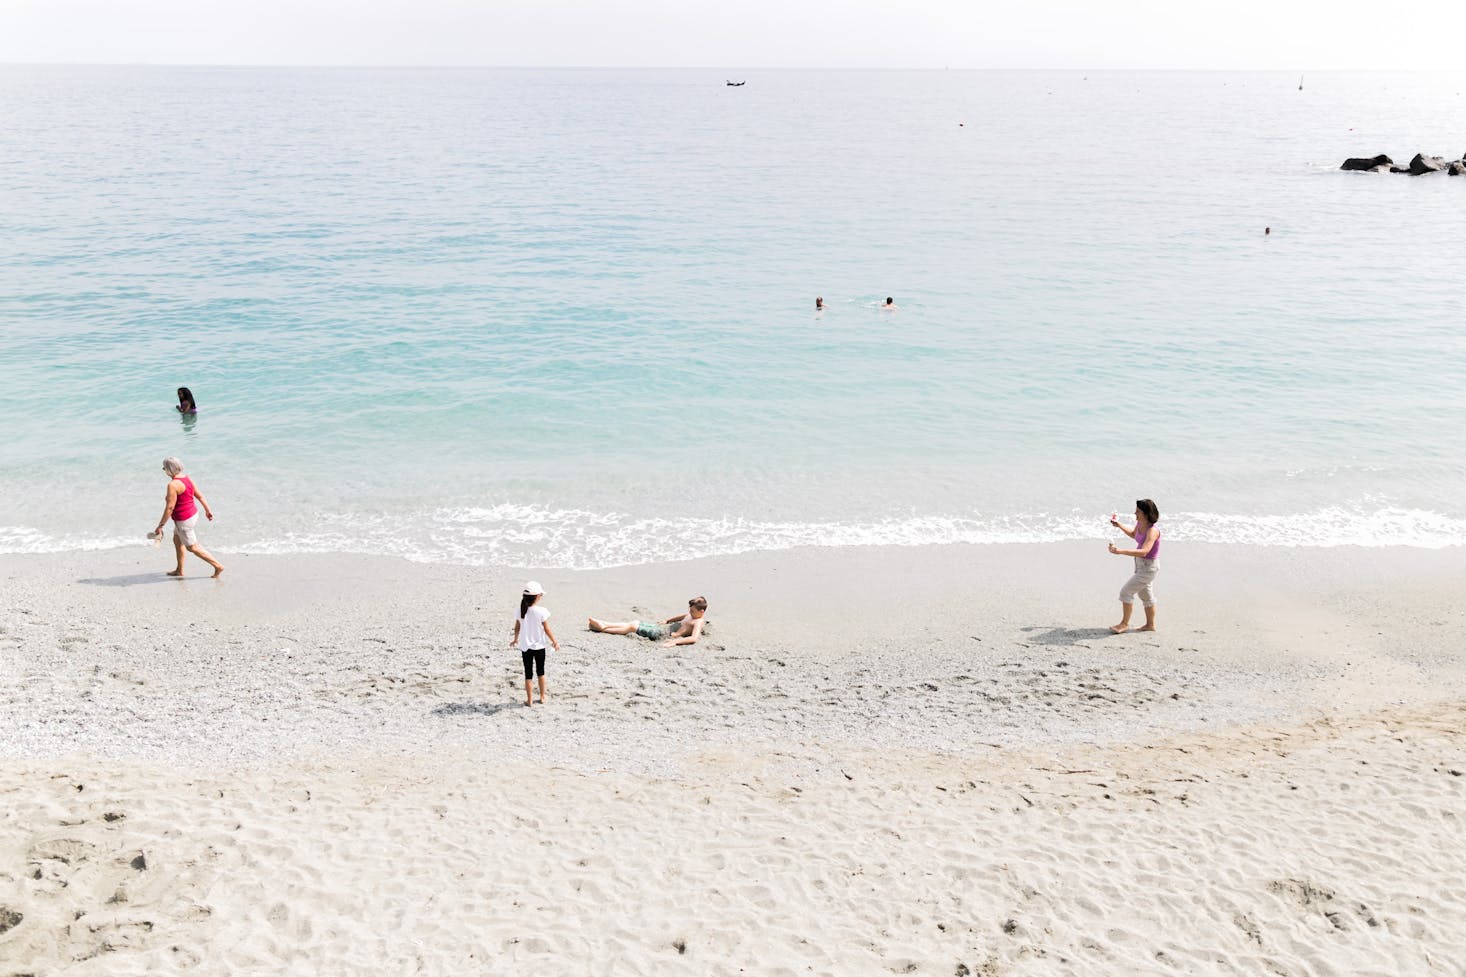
x=566 y=318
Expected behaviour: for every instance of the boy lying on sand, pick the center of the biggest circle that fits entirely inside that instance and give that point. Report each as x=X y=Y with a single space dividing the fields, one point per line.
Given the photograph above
x=681 y=629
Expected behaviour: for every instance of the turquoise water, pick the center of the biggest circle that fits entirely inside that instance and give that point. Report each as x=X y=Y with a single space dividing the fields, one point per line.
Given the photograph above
x=565 y=318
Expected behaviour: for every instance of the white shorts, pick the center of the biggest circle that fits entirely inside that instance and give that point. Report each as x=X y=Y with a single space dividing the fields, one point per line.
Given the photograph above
x=1141 y=582
x=186 y=530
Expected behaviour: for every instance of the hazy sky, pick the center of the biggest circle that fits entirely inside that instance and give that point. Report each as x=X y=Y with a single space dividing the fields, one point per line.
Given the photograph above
x=1286 y=34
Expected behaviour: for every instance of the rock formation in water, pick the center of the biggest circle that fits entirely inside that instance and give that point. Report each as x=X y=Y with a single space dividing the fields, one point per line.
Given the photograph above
x=1419 y=166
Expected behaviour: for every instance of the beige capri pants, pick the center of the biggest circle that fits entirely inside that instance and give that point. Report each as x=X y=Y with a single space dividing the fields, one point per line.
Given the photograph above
x=1140 y=582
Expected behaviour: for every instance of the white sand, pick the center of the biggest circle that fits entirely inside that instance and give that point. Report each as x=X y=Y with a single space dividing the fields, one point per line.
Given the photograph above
x=897 y=760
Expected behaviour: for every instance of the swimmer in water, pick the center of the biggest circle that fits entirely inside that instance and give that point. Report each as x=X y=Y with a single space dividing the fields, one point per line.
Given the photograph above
x=186 y=403
x=819 y=303
x=890 y=305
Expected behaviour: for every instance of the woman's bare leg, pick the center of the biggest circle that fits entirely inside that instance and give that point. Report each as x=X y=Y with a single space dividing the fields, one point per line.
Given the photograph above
x=178 y=549
x=1149 y=619
x=1124 y=624
x=202 y=554
x=622 y=627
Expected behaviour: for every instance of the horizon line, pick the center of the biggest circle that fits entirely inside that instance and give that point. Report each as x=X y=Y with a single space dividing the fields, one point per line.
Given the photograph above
x=723 y=68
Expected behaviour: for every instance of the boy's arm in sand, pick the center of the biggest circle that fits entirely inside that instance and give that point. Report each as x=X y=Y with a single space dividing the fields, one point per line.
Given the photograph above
x=690 y=639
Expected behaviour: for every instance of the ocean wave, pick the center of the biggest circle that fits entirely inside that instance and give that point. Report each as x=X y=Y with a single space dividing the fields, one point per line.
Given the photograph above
x=540 y=536
x=24 y=539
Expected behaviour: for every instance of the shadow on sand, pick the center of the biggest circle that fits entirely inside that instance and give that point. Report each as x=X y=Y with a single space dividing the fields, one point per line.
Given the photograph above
x=1065 y=636
x=133 y=579
x=475 y=708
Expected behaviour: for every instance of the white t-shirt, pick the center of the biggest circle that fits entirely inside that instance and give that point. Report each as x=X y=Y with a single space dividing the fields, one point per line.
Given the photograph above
x=532 y=628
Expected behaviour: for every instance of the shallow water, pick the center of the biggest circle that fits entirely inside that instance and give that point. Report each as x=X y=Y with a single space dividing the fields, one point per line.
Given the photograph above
x=565 y=318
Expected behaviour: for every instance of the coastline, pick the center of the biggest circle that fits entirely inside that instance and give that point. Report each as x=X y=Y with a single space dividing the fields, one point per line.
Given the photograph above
x=894 y=758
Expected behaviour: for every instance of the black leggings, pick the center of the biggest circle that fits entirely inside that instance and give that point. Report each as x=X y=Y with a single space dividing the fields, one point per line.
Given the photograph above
x=534 y=660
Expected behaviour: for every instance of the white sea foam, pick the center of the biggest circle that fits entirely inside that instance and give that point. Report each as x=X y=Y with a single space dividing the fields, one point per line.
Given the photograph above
x=539 y=536
x=517 y=535
x=24 y=539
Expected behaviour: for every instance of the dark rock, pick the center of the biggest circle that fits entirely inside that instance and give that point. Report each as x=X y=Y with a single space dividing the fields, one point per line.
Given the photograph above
x=1422 y=164
x=1366 y=163
x=140 y=862
x=9 y=919
x=1457 y=167
x=1399 y=169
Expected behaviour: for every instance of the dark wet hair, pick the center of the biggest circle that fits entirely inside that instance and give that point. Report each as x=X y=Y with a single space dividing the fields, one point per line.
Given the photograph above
x=1148 y=509
x=525 y=603
x=889 y=300
x=698 y=603
x=186 y=394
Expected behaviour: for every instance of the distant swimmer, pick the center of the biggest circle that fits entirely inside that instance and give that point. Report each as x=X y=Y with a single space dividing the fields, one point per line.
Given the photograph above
x=680 y=629
x=1266 y=231
x=186 y=404
x=890 y=305
x=819 y=303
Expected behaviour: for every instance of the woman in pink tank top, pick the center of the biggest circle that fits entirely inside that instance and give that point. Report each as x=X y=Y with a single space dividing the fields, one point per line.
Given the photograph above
x=182 y=506
x=1146 y=554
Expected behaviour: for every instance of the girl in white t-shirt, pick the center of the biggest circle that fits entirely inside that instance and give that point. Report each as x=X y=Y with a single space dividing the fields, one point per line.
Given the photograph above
x=531 y=630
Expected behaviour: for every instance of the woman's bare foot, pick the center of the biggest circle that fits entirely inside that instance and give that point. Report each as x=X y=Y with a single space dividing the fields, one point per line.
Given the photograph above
x=218 y=570
x=175 y=573
x=529 y=702
x=595 y=625
x=1147 y=627
x=1119 y=628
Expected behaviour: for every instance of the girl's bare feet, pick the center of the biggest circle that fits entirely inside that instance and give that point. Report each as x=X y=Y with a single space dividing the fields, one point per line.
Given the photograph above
x=218 y=570
x=175 y=573
x=1147 y=627
x=594 y=624
x=1119 y=628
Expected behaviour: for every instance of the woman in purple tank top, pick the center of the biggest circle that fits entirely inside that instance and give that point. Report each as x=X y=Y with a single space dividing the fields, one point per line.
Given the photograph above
x=182 y=506
x=1146 y=554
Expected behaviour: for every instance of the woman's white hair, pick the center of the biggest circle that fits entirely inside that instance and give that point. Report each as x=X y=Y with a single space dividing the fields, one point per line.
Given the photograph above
x=172 y=466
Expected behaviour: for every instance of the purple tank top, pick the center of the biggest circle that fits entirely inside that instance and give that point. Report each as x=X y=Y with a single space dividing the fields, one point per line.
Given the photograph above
x=184 y=506
x=1155 y=548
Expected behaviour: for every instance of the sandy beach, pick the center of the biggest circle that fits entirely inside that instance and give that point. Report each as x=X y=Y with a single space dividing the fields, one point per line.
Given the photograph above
x=880 y=760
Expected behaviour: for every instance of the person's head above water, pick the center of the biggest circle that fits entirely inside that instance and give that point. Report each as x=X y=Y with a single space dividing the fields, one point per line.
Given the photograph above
x=185 y=399
x=1147 y=508
x=819 y=301
x=890 y=301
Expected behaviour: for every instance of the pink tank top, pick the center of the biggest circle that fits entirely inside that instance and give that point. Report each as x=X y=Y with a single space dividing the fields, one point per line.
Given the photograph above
x=184 y=507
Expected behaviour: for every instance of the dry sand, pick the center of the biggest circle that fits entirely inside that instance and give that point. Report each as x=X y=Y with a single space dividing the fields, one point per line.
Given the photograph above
x=895 y=760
